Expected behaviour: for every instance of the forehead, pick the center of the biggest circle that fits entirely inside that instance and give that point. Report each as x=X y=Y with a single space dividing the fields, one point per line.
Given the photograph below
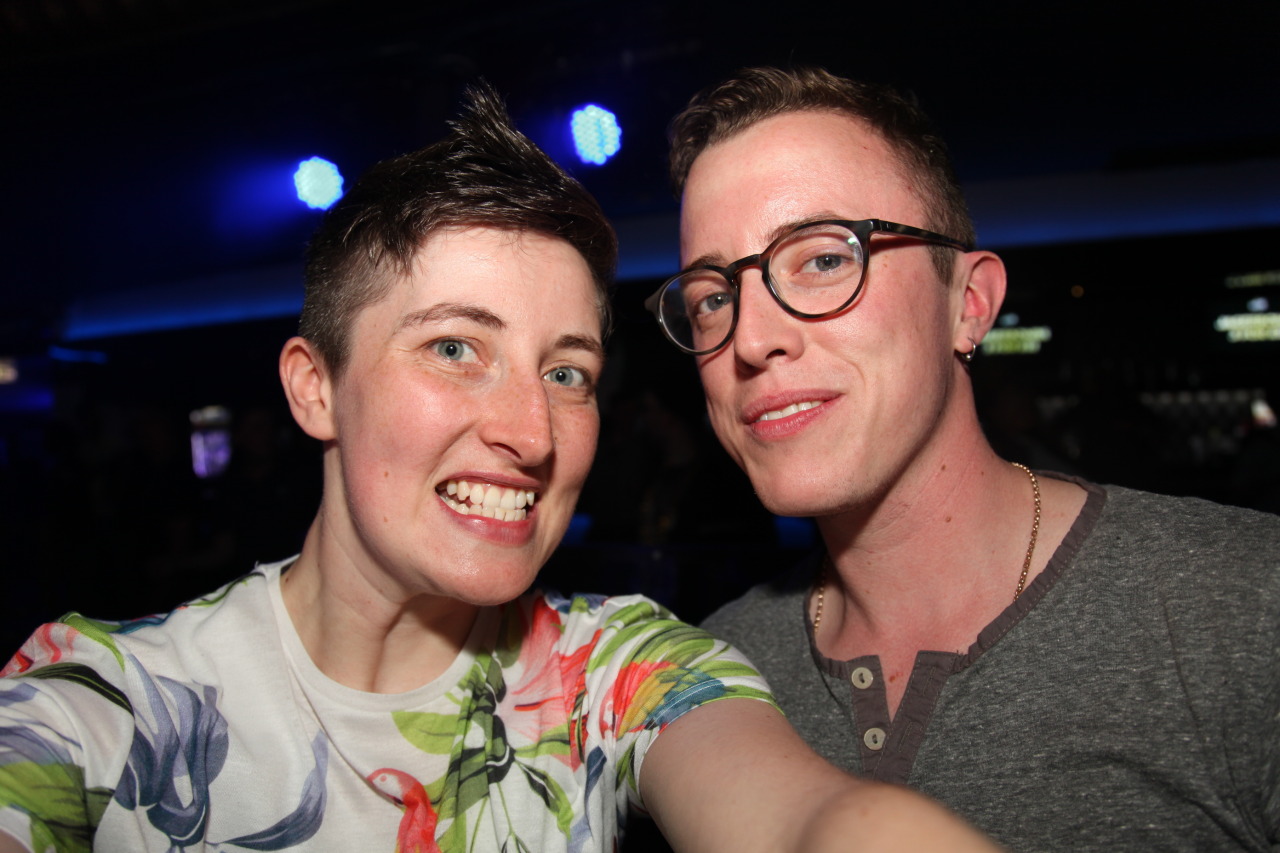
x=787 y=169
x=526 y=278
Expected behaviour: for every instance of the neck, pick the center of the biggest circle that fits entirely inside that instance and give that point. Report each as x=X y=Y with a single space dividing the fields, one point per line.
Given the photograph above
x=934 y=558
x=360 y=629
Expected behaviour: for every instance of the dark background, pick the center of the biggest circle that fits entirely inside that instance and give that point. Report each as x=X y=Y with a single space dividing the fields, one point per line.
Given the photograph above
x=1126 y=163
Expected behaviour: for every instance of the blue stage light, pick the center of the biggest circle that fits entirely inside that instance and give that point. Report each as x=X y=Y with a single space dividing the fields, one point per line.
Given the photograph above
x=319 y=183
x=596 y=134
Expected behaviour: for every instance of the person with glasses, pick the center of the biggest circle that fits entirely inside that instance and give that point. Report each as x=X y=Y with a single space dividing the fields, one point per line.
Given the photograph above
x=1067 y=665
x=394 y=687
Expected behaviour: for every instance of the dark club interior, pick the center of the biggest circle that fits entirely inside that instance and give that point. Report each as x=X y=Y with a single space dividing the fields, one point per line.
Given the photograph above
x=1127 y=168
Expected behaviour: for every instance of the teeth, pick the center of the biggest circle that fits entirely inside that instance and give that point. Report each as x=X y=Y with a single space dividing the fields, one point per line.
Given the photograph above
x=495 y=502
x=789 y=410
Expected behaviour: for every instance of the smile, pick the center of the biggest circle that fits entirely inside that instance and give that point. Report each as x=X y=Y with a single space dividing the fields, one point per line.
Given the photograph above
x=496 y=502
x=789 y=410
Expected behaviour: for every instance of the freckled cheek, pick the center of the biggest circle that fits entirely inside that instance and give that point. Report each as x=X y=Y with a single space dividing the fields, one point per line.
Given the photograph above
x=386 y=442
x=576 y=434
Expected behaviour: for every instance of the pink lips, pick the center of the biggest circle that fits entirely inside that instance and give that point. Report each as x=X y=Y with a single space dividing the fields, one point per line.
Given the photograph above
x=506 y=518
x=785 y=425
x=499 y=532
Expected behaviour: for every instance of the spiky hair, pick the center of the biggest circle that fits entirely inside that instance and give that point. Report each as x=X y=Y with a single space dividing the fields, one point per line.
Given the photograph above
x=485 y=172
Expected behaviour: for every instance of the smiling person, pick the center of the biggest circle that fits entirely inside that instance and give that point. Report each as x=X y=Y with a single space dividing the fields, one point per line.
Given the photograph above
x=1069 y=666
x=393 y=687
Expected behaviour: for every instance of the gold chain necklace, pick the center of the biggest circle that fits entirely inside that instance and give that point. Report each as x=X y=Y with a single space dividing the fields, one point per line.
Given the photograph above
x=1022 y=578
x=1035 y=530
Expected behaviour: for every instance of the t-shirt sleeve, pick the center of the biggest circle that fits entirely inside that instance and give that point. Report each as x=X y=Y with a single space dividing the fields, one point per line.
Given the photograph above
x=58 y=710
x=646 y=669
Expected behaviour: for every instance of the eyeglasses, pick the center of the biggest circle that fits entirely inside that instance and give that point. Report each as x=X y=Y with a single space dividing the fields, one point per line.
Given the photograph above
x=813 y=271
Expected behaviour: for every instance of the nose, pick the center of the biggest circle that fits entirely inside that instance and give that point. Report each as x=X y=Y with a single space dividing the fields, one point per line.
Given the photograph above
x=517 y=421
x=765 y=331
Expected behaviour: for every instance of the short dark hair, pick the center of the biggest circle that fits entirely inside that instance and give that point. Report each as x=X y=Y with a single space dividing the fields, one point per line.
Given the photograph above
x=754 y=94
x=485 y=173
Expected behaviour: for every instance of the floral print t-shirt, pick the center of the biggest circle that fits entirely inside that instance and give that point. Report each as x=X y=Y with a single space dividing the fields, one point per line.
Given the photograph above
x=209 y=728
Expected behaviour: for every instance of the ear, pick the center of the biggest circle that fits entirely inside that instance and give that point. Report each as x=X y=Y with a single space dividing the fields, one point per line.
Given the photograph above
x=979 y=292
x=308 y=388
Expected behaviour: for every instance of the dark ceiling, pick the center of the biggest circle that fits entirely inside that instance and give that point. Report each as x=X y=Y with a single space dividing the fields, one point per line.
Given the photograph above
x=136 y=131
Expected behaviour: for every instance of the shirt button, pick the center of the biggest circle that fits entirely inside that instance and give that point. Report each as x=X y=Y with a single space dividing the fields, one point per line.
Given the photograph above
x=874 y=738
x=862 y=678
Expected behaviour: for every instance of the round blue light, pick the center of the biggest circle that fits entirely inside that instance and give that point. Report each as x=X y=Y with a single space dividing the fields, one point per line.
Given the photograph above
x=596 y=134
x=318 y=182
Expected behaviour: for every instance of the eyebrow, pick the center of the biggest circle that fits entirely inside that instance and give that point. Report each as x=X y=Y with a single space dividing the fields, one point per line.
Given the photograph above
x=715 y=259
x=475 y=313
x=581 y=342
x=451 y=311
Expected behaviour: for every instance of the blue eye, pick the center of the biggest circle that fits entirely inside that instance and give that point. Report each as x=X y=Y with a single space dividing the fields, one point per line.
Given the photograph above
x=454 y=350
x=827 y=263
x=570 y=377
x=714 y=302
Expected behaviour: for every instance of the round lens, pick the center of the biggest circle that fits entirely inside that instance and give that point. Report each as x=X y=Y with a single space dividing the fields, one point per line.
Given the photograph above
x=817 y=270
x=697 y=309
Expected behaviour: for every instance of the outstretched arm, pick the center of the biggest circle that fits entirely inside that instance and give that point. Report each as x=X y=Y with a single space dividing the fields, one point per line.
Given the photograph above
x=734 y=776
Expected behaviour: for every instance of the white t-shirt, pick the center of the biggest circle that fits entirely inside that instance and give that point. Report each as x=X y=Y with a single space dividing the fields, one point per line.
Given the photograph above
x=210 y=728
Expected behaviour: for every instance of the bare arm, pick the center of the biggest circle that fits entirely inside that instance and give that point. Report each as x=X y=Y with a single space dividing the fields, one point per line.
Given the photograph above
x=734 y=776
x=9 y=844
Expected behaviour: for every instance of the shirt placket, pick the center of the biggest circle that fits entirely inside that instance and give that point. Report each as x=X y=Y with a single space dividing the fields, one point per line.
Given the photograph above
x=870 y=706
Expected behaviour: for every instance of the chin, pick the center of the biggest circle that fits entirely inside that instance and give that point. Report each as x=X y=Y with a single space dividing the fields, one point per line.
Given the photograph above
x=803 y=505
x=493 y=598
x=494 y=584
x=789 y=505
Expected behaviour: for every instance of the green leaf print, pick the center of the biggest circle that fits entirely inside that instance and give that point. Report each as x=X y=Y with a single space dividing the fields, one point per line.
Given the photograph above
x=680 y=643
x=624 y=771
x=96 y=801
x=552 y=742
x=432 y=733
x=475 y=740
x=481 y=756
x=744 y=692
x=510 y=636
x=86 y=677
x=99 y=632
x=69 y=814
x=721 y=668
x=520 y=846
x=453 y=838
x=551 y=794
